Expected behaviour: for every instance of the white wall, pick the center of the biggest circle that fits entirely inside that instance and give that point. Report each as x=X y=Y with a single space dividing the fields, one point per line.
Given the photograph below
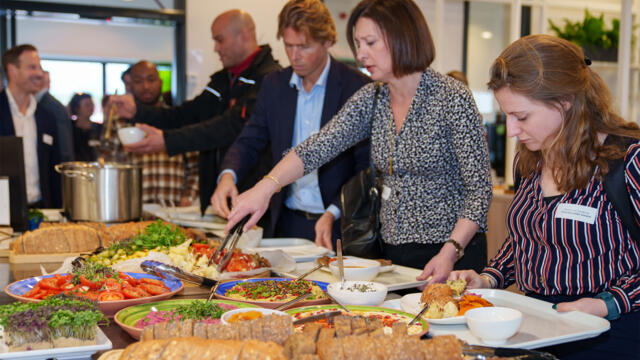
x=201 y=60
x=96 y=39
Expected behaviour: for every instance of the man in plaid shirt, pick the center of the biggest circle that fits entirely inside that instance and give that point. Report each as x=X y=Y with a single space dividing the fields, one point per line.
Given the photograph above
x=170 y=179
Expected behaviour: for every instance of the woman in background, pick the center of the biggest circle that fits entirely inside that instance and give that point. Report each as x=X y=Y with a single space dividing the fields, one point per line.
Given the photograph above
x=86 y=134
x=567 y=243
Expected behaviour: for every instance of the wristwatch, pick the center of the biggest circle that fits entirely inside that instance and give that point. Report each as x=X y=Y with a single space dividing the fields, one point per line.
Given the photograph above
x=459 y=248
x=612 y=307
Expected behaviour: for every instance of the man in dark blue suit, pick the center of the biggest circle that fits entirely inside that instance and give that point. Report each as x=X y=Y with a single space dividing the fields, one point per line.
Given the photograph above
x=292 y=105
x=20 y=116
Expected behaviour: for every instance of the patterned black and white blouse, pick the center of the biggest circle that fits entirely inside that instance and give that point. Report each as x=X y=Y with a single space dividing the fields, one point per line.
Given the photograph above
x=440 y=157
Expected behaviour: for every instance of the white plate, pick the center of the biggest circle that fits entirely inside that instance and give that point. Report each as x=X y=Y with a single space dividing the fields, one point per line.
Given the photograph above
x=52 y=215
x=187 y=216
x=401 y=277
x=68 y=353
x=541 y=325
x=411 y=303
x=300 y=250
x=383 y=269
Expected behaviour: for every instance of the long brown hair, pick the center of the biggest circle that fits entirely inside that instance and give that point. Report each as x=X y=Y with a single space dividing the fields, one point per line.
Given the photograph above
x=553 y=71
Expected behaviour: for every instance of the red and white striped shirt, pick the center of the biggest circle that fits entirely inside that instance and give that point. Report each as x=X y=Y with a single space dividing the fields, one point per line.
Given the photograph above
x=551 y=255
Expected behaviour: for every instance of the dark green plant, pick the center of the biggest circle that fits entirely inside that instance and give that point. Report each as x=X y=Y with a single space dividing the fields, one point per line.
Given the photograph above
x=590 y=33
x=36 y=215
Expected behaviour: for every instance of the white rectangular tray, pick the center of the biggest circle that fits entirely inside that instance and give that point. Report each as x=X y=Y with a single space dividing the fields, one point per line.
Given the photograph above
x=541 y=325
x=401 y=277
x=69 y=353
x=301 y=250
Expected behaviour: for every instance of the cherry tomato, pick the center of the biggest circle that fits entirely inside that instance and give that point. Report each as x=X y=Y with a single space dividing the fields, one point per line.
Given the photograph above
x=112 y=284
x=154 y=289
x=134 y=292
x=91 y=284
x=110 y=296
x=49 y=283
x=152 y=281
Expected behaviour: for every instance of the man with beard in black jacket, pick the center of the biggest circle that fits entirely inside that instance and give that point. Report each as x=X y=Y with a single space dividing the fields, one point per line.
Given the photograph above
x=211 y=121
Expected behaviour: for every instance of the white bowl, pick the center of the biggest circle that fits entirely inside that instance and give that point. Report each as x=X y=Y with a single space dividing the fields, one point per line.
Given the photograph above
x=356 y=269
x=130 y=135
x=229 y=314
x=350 y=295
x=493 y=325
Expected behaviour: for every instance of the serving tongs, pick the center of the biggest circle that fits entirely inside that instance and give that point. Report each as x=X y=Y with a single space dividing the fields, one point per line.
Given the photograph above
x=340 y=262
x=167 y=271
x=326 y=315
x=484 y=352
x=230 y=241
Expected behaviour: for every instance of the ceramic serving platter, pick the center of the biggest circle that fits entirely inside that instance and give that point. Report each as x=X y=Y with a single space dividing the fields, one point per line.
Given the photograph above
x=68 y=353
x=222 y=289
x=109 y=308
x=388 y=316
x=128 y=317
x=541 y=325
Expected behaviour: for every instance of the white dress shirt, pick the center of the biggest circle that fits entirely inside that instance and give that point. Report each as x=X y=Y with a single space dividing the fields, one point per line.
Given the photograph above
x=25 y=127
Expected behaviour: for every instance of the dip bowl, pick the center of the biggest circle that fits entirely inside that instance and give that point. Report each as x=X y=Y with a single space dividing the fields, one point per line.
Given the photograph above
x=493 y=325
x=130 y=135
x=356 y=269
x=227 y=317
x=358 y=293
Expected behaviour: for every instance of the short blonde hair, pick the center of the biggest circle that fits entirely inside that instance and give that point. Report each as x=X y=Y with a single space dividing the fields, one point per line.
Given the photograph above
x=310 y=17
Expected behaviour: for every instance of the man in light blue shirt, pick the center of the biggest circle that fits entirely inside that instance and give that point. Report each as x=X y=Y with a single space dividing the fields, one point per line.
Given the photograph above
x=293 y=104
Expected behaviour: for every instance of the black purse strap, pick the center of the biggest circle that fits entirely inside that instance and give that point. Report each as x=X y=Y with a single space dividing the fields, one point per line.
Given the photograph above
x=373 y=191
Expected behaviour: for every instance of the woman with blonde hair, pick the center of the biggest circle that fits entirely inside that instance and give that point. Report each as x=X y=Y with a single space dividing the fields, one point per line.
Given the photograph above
x=568 y=243
x=427 y=143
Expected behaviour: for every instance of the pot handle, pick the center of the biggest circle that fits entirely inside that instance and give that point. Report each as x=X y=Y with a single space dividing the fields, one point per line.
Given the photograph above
x=74 y=173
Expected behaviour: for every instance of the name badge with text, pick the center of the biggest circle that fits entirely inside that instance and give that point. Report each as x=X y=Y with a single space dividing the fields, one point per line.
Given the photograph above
x=47 y=139
x=577 y=212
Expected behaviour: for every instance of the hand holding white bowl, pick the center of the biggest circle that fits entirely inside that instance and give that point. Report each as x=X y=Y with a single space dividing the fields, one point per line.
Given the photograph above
x=358 y=292
x=493 y=325
x=356 y=269
x=130 y=135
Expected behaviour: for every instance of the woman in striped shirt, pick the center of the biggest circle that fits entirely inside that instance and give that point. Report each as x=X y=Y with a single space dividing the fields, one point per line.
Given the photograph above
x=567 y=244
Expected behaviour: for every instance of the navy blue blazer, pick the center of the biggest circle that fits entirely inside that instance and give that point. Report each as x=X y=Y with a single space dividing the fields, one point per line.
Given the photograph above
x=272 y=123
x=48 y=154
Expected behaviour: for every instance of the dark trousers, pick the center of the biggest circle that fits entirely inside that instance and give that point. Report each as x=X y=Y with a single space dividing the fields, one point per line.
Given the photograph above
x=292 y=224
x=622 y=341
x=418 y=255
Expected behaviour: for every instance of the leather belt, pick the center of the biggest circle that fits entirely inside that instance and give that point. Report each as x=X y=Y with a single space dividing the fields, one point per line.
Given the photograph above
x=308 y=215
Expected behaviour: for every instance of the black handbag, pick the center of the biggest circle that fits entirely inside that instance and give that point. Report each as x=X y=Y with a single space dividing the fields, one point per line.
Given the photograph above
x=360 y=202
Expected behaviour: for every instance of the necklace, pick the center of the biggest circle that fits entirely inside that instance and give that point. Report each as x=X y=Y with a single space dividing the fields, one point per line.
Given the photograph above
x=392 y=141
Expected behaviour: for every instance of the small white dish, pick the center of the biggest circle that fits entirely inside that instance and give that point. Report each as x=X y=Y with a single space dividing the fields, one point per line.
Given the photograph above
x=130 y=135
x=366 y=293
x=356 y=269
x=411 y=303
x=493 y=325
x=226 y=316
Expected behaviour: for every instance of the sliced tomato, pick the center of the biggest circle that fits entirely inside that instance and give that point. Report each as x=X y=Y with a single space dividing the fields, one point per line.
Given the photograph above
x=134 y=292
x=91 y=284
x=91 y=295
x=68 y=286
x=112 y=284
x=239 y=262
x=129 y=279
x=110 y=296
x=151 y=281
x=41 y=294
x=154 y=289
x=49 y=283
x=32 y=292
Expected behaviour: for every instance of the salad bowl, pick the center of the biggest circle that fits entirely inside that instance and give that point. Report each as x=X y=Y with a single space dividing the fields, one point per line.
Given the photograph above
x=255 y=294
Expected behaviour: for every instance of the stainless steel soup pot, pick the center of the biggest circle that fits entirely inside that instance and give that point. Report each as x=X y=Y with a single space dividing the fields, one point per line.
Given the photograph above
x=108 y=193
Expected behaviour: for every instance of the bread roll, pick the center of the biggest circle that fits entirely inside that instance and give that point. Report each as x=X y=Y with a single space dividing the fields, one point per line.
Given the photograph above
x=194 y=348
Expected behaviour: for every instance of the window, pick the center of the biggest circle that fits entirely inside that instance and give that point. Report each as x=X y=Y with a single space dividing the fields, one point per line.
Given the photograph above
x=94 y=77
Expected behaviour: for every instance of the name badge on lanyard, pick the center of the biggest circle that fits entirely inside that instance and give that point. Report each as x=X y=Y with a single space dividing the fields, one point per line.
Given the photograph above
x=576 y=212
